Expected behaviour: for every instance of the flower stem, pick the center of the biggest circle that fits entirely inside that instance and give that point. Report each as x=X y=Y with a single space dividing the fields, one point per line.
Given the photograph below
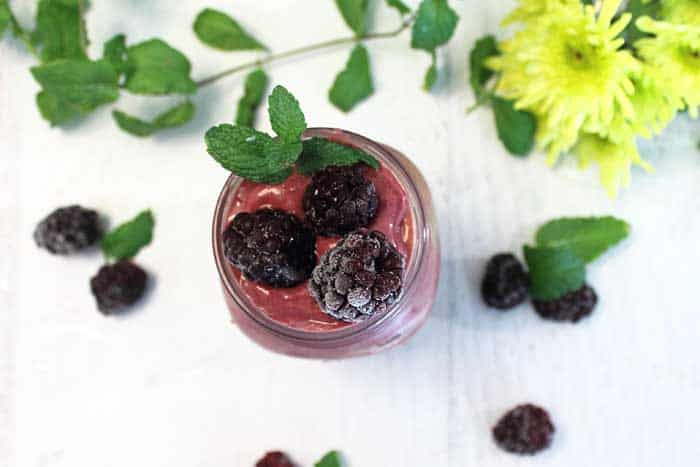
x=306 y=49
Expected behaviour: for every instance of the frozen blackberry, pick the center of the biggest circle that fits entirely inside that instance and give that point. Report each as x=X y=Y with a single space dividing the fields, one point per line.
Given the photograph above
x=573 y=306
x=527 y=429
x=275 y=459
x=359 y=277
x=117 y=286
x=505 y=283
x=340 y=200
x=271 y=247
x=68 y=230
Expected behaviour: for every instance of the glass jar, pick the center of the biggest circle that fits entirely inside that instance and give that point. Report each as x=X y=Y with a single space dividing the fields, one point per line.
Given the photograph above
x=403 y=319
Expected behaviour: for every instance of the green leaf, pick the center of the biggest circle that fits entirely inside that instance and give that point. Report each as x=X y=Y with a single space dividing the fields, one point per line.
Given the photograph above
x=80 y=85
x=5 y=17
x=60 y=30
x=126 y=240
x=400 y=6
x=320 y=153
x=431 y=75
x=54 y=110
x=252 y=154
x=219 y=30
x=587 y=237
x=254 y=91
x=331 y=459
x=114 y=52
x=355 y=14
x=479 y=74
x=554 y=271
x=171 y=118
x=286 y=117
x=434 y=25
x=354 y=83
x=155 y=68
x=516 y=128
x=639 y=8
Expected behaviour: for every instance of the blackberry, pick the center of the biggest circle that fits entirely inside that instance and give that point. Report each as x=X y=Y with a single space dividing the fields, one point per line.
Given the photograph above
x=68 y=230
x=527 y=429
x=505 y=283
x=340 y=200
x=573 y=306
x=275 y=459
x=117 y=286
x=359 y=277
x=271 y=247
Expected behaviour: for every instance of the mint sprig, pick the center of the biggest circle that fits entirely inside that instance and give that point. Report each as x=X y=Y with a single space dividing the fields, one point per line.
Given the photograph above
x=564 y=247
x=257 y=156
x=125 y=241
x=331 y=459
x=354 y=83
x=219 y=30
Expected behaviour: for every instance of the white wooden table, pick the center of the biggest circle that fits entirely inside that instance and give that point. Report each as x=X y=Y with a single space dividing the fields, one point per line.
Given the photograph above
x=176 y=385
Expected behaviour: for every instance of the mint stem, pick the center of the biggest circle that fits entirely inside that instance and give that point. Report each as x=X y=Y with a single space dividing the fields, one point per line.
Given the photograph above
x=306 y=49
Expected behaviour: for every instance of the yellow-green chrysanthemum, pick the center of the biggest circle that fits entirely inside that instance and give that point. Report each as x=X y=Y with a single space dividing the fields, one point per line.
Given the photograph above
x=615 y=159
x=528 y=10
x=681 y=11
x=653 y=107
x=570 y=71
x=673 y=55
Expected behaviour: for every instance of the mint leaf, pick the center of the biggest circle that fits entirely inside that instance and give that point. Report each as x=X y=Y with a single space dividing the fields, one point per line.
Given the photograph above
x=331 y=459
x=219 y=30
x=479 y=74
x=554 y=271
x=431 y=75
x=434 y=25
x=355 y=14
x=128 y=238
x=516 y=128
x=354 y=82
x=254 y=91
x=5 y=17
x=251 y=154
x=60 y=30
x=54 y=110
x=320 y=153
x=155 y=68
x=171 y=118
x=286 y=117
x=400 y=6
x=587 y=237
x=114 y=52
x=78 y=85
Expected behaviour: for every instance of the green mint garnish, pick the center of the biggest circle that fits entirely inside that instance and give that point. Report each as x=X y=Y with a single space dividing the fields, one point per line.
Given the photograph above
x=354 y=83
x=259 y=157
x=516 y=128
x=126 y=240
x=434 y=26
x=174 y=117
x=557 y=264
x=60 y=30
x=400 y=6
x=286 y=117
x=320 y=153
x=155 y=68
x=479 y=73
x=114 y=52
x=354 y=13
x=219 y=30
x=254 y=92
x=331 y=459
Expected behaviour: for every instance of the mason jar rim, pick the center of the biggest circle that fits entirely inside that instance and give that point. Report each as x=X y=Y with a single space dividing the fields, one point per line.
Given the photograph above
x=420 y=232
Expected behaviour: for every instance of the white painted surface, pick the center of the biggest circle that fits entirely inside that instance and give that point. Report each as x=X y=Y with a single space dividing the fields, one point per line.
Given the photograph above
x=175 y=385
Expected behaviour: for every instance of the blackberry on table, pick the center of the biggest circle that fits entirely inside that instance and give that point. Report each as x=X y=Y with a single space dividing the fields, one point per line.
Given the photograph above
x=68 y=230
x=572 y=306
x=275 y=459
x=340 y=200
x=505 y=284
x=271 y=247
x=527 y=429
x=359 y=277
x=117 y=286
